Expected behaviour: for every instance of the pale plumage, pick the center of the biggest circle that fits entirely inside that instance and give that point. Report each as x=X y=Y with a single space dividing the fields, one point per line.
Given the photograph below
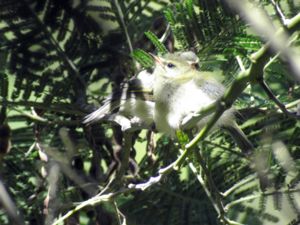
x=180 y=90
x=134 y=100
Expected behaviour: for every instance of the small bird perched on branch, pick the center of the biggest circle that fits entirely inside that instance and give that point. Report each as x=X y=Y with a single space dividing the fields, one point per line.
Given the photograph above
x=174 y=90
x=180 y=90
x=134 y=101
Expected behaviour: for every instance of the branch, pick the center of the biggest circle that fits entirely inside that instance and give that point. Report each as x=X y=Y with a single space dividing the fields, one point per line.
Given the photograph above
x=220 y=108
x=165 y=34
x=252 y=74
x=262 y=24
x=124 y=162
x=258 y=195
x=279 y=13
x=102 y=197
x=55 y=107
x=91 y=202
x=259 y=59
x=9 y=206
x=123 y=25
x=203 y=183
x=238 y=185
x=121 y=217
x=281 y=106
x=211 y=190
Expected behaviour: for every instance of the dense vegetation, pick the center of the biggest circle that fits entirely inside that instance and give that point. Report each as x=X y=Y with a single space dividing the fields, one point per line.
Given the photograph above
x=60 y=59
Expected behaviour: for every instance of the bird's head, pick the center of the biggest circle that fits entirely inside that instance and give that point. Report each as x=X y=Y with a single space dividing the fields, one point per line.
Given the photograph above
x=171 y=66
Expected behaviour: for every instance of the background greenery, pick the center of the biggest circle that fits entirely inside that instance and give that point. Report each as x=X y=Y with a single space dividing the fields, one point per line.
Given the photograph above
x=60 y=58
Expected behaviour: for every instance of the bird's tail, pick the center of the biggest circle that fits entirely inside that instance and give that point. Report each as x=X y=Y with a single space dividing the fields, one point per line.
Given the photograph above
x=240 y=138
x=101 y=113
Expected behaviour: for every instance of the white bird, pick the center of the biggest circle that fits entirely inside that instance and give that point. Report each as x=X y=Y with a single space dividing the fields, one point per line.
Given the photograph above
x=180 y=90
x=134 y=100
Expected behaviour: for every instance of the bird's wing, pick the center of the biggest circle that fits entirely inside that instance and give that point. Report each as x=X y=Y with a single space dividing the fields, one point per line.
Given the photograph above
x=106 y=109
x=209 y=84
x=134 y=88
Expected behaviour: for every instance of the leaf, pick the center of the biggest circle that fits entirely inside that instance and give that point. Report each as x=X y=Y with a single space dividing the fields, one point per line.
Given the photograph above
x=158 y=45
x=143 y=58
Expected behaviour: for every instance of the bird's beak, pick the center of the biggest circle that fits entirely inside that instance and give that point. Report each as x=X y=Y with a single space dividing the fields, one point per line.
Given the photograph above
x=157 y=59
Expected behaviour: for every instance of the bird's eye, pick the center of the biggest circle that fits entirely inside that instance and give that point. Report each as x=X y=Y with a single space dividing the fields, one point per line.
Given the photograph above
x=170 y=65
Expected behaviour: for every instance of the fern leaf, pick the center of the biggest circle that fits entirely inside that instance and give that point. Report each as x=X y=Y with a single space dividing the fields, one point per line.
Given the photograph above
x=143 y=58
x=177 y=29
x=158 y=45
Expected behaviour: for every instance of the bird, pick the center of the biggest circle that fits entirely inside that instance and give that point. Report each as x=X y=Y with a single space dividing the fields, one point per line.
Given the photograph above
x=180 y=90
x=134 y=99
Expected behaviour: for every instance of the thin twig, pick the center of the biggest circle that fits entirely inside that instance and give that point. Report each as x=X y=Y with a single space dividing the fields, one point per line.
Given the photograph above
x=240 y=62
x=215 y=199
x=33 y=117
x=259 y=195
x=279 y=13
x=165 y=34
x=272 y=60
x=53 y=107
x=204 y=186
x=278 y=54
x=202 y=134
x=120 y=215
x=90 y=202
x=123 y=24
x=102 y=197
x=239 y=184
x=282 y=107
x=125 y=156
x=9 y=206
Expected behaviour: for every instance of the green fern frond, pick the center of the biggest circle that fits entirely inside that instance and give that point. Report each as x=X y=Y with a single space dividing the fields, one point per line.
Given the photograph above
x=189 y=5
x=143 y=58
x=187 y=31
x=170 y=16
x=158 y=45
x=292 y=200
x=194 y=23
x=262 y=203
x=177 y=28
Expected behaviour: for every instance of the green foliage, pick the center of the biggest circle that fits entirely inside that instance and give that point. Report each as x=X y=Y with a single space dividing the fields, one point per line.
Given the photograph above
x=58 y=57
x=159 y=46
x=176 y=28
x=183 y=138
x=143 y=58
